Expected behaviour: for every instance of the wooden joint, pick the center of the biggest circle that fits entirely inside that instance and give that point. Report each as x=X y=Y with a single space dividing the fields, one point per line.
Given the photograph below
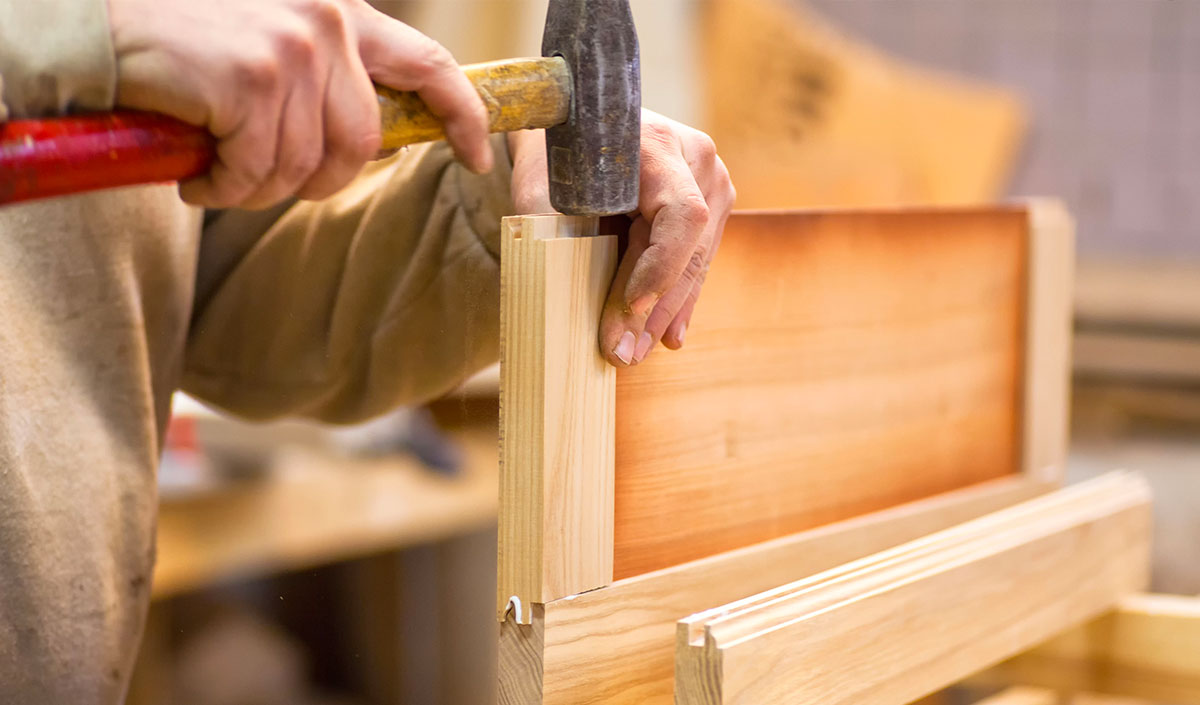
x=556 y=412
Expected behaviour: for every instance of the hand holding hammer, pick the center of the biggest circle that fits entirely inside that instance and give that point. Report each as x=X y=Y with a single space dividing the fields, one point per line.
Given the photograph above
x=250 y=103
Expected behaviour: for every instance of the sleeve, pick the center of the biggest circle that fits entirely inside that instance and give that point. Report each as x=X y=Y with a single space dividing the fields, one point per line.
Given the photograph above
x=385 y=294
x=55 y=56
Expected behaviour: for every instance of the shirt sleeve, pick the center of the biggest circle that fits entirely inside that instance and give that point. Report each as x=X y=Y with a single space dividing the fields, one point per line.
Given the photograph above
x=385 y=294
x=55 y=56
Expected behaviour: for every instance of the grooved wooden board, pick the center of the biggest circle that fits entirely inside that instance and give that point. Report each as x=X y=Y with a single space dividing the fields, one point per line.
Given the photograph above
x=847 y=361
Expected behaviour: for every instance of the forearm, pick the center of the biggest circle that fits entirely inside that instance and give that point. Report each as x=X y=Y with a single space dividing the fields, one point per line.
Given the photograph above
x=385 y=294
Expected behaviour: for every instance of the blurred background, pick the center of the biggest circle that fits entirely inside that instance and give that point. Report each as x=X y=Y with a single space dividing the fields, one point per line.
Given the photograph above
x=306 y=565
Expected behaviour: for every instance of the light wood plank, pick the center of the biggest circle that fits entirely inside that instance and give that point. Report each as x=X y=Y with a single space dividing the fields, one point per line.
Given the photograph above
x=556 y=410
x=1047 y=373
x=911 y=621
x=615 y=646
x=847 y=361
x=1147 y=648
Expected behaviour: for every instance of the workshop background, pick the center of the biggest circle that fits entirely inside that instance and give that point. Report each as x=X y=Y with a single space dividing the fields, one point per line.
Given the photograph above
x=310 y=566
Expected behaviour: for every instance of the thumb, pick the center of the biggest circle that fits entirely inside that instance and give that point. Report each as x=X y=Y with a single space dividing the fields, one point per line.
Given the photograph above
x=530 y=185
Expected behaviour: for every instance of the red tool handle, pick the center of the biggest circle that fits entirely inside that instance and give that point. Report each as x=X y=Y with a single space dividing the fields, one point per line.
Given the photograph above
x=43 y=158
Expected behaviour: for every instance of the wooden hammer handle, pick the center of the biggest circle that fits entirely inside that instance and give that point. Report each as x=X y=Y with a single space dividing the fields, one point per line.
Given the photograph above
x=43 y=158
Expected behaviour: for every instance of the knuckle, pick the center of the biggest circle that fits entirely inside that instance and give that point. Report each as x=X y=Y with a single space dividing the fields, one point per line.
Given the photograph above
x=324 y=14
x=297 y=45
x=694 y=210
x=697 y=265
x=704 y=147
x=432 y=58
x=258 y=72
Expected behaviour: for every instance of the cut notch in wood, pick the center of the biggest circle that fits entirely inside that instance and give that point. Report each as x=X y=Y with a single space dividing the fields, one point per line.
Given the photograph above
x=556 y=411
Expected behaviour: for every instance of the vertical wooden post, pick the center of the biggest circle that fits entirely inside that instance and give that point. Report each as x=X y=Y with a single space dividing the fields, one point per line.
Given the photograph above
x=557 y=399
x=1047 y=374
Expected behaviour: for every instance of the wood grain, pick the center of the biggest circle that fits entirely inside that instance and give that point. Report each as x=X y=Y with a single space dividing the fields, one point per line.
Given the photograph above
x=1147 y=648
x=615 y=646
x=907 y=622
x=838 y=363
x=556 y=412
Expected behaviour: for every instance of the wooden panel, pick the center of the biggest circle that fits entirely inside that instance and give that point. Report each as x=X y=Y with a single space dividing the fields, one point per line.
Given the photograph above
x=615 y=646
x=828 y=121
x=907 y=622
x=556 y=412
x=838 y=363
x=1147 y=648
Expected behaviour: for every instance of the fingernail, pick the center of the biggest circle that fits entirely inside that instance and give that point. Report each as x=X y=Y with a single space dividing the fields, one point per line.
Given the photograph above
x=643 y=304
x=680 y=333
x=625 y=347
x=643 y=347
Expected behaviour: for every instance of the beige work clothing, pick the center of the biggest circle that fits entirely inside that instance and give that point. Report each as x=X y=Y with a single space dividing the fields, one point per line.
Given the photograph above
x=384 y=294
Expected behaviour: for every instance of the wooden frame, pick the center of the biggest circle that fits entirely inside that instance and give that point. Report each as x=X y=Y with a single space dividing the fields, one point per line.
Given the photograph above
x=910 y=621
x=627 y=654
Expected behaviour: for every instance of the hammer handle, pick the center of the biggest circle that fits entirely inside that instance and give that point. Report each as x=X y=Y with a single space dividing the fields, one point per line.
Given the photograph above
x=55 y=157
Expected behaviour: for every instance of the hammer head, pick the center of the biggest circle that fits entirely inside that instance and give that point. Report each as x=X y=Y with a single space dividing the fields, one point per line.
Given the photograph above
x=594 y=157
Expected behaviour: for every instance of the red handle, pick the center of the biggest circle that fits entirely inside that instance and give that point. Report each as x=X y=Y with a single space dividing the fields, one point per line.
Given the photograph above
x=43 y=158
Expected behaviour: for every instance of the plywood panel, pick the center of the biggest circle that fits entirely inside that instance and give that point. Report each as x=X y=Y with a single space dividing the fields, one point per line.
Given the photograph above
x=838 y=363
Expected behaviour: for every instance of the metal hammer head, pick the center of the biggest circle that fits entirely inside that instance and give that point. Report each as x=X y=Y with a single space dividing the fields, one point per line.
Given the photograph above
x=594 y=157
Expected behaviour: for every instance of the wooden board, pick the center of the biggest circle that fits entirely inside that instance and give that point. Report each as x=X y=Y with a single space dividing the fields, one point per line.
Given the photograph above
x=615 y=646
x=838 y=363
x=907 y=622
x=556 y=412
x=1147 y=648
x=805 y=116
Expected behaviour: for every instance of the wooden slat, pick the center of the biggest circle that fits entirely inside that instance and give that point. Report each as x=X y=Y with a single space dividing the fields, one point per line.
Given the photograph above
x=838 y=363
x=615 y=646
x=556 y=409
x=905 y=623
x=1047 y=365
x=1147 y=648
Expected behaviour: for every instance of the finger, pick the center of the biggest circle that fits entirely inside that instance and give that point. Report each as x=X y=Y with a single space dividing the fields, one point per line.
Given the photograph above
x=672 y=201
x=244 y=160
x=298 y=152
x=530 y=185
x=246 y=152
x=669 y=320
x=398 y=56
x=352 y=133
x=677 y=331
x=620 y=328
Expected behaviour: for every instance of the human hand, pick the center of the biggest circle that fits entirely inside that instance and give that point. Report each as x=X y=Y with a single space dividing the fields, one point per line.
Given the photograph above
x=685 y=199
x=285 y=87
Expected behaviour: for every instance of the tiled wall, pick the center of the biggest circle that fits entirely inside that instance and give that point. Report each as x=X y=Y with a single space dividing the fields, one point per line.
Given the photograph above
x=1115 y=90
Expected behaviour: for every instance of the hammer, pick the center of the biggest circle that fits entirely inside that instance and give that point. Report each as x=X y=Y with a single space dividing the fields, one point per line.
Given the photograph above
x=586 y=90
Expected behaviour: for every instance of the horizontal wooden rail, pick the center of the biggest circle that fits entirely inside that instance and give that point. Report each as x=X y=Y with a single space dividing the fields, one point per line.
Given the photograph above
x=899 y=625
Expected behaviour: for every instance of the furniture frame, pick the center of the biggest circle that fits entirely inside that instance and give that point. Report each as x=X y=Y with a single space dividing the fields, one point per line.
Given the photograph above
x=570 y=631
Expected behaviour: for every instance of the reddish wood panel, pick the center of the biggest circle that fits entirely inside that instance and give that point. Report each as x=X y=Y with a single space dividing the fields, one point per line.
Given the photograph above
x=837 y=364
